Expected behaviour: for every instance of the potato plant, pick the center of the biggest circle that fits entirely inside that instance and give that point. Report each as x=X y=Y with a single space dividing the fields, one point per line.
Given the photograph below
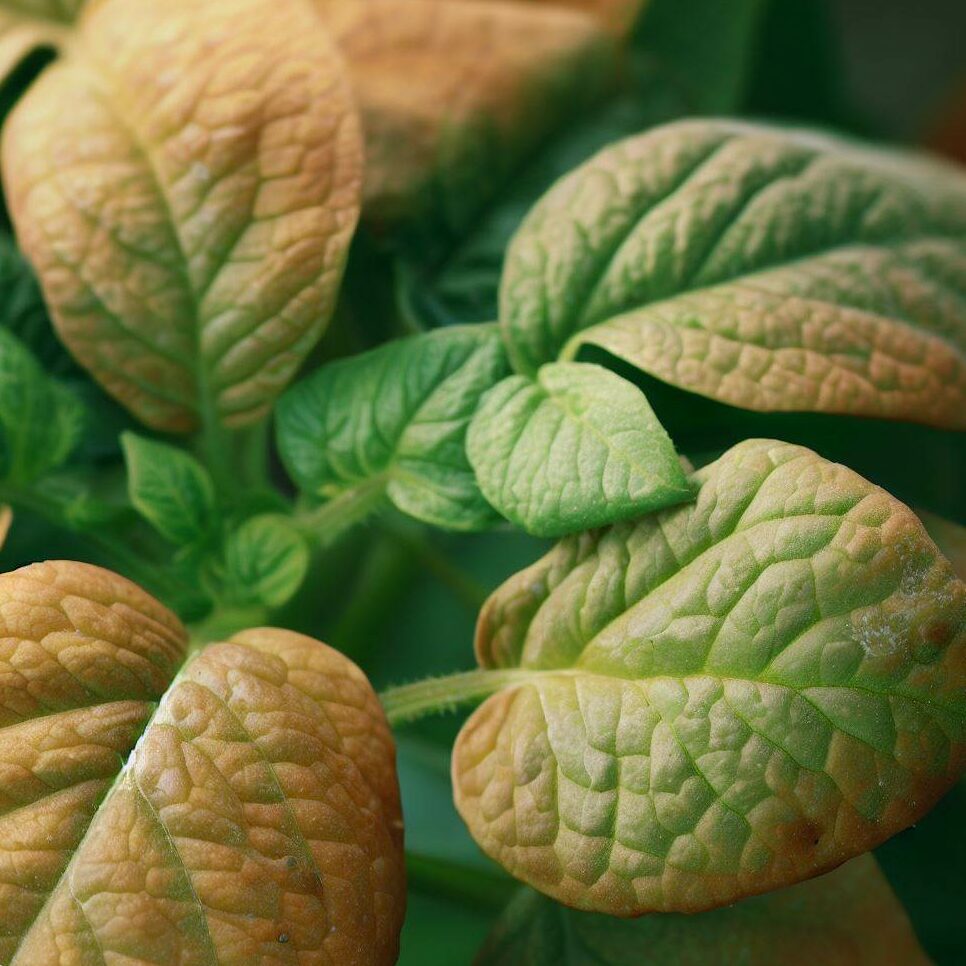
x=369 y=321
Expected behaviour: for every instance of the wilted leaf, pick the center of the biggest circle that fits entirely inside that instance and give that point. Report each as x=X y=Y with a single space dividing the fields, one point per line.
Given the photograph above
x=189 y=215
x=453 y=94
x=40 y=420
x=170 y=489
x=764 y=268
x=395 y=418
x=575 y=448
x=722 y=698
x=257 y=819
x=849 y=917
x=266 y=560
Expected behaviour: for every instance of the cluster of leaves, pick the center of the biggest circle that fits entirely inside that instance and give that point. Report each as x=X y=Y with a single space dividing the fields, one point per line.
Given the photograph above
x=538 y=267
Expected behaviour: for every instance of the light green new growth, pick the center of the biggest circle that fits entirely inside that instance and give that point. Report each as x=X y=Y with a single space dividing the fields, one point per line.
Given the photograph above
x=575 y=448
x=849 y=917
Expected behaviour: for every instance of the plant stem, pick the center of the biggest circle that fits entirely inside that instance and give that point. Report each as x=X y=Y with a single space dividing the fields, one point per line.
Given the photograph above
x=329 y=521
x=408 y=702
x=234 y=458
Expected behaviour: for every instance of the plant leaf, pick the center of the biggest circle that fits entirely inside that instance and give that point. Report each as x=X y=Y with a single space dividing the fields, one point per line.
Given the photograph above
x=170 y=489
x=266 y=560
x=721 y=698
x=40 y=420
x=396 y=417
x=86 y=656
x=189 y=216
x=576 y=448
x=764 y=268
x=849 y=917
x=484 y=84
x=218 y=838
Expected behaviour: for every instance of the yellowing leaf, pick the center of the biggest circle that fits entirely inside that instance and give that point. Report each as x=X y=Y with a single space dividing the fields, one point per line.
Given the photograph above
x=849 y=917
x=765 y=268
x=256 y=818
x=189 y=214
x=453 y=93
x=718 y=699
x=84 y=657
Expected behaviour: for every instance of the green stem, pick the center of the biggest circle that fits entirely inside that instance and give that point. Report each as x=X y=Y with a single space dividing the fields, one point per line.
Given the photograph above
x=236 y=459
x=408 y=702
x=329 y=521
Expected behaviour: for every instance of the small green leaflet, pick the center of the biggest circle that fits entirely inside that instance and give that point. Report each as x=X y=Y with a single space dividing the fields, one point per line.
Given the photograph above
x=720 y=698
x=266 y=560
x=850 y=917
x=576 y=448
x=170 y=489
x=765 y=268
x=40 y=420
x=396 y=418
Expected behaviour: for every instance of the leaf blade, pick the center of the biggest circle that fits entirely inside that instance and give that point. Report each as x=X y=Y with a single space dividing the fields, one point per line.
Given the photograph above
x=98 y=653
x=809 y=274
x=576 y=448
x=190 y=236
x=170 y=489
x=225 y=707
x=398 y=413
x=796 y=622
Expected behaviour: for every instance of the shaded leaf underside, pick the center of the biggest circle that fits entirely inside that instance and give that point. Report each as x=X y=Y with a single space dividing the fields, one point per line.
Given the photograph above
x=849 y=917
x=724 y=698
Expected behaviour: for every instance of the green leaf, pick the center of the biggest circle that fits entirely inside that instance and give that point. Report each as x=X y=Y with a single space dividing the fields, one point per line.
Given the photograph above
x=704 y=47
x=765 y=268
x=576 y=448
x=849 y=917
x=718 y=699
x=396 y=417
x=266 y=560
x=170 y=489
x=40 y=420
